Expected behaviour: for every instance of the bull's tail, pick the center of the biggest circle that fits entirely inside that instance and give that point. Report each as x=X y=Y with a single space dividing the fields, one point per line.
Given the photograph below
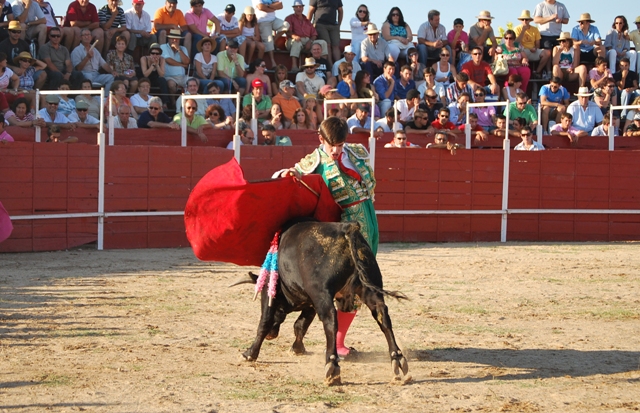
x=367 y=269
x=249 y=278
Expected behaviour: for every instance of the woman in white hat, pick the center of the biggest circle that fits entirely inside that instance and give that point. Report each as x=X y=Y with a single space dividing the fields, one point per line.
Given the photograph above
x=249 y=28
x=566 y=61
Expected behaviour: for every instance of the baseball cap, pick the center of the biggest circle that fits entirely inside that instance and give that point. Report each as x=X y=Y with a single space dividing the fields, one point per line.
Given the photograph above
x=230 y=8
x=637 y=116
x=138 y=1
x=364 y=107
x=172 y=1
x=286 y=83
x=52 y=99
x=257 y=83
x=81 y=104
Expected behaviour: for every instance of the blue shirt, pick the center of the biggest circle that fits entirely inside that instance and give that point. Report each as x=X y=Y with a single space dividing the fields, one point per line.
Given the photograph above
x=344 y=89
x=353 y=122
x=592 y=35
x=381 y=84
x=226 y=105
x=559 y=97
x=401 y=91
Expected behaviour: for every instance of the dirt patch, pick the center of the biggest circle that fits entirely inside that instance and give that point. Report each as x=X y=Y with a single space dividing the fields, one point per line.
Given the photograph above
x=489 y=327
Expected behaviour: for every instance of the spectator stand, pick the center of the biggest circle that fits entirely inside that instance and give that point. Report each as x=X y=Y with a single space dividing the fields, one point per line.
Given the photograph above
x=611 y=130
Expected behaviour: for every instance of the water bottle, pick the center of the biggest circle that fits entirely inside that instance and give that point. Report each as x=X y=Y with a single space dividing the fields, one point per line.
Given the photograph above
x=33 y=49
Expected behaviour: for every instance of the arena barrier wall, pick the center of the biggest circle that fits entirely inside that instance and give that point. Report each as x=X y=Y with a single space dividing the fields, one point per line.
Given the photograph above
x=51 y=190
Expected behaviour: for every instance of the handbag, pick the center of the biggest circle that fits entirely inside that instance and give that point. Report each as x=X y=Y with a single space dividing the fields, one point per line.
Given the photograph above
x=500 y=67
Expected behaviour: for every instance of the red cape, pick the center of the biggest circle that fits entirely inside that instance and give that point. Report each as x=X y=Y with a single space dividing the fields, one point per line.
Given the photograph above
x=231 y=220
x=5 y=224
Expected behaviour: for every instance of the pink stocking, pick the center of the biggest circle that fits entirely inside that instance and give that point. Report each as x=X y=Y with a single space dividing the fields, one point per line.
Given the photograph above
x=344 y=321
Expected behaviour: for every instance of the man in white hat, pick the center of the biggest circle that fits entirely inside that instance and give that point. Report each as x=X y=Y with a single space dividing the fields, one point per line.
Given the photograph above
x=268 y=23
x=301 y=34
x=586 y=113
x=634 y=36
x=480 y=32
x=349 y=57
x=139 y=24
x=528 y=37
x=176 y=59
x=550 y=15
x=587 y=36
x=307 y=82
x=374 y=51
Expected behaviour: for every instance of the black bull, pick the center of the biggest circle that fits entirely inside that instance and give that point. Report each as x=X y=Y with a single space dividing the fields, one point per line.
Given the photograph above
x=316 y=261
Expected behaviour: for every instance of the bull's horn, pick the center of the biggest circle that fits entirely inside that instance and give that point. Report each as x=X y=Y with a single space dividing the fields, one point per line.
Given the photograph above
x=249 y=278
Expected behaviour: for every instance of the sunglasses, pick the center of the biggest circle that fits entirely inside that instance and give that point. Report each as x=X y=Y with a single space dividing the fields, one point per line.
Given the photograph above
x=215 y=114
x=478 y=94
x=154 y=108
x=81 y=110
x=443 y=116
x=401 y=139
x=263 y=65
x=52 y=104
x=362 y=11
x=509 y=38
x=191 y=108
x=395 y=15
x=16 y=31
x=476 y=54
x=525 y=134
x=54 y=36
x=444 y=54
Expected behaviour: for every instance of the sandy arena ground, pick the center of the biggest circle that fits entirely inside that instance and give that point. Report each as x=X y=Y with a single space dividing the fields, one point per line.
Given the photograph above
x=490 y=327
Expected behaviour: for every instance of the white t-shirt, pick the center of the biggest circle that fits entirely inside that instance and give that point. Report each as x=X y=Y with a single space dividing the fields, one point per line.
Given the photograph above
x=261 y=16
x=225 y=25
x=311 y=85
x=136 y=100
x=5 y=79
x=207 y=68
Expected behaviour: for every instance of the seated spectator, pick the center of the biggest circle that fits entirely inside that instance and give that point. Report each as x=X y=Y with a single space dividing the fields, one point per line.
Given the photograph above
x=271 y=138
x=342 y=110
x=445 y=71
x=634 y=128
x=246 y=135
x=430 y=84
x=81 y=117
x=169 y=21
x=122 y=64
x=81 y=15
x=324 y=67
x=155 y=118
x=477 y=131
x=599 y=75
x=285 y=99
x=28 y=66
x=314 y=111
x=587 y=36
x=603 y=128
x=360 y=122
x=618 y=45
x=51 y=116
x=58 y=61
x=554 y=99
x=263 y=102
x=196 y=124
x=140 y=101
x=480 y=32
x=528 y=144
x=255 y=71
x=529 y=37
x=628 y=118
x=349 y=57
x=430 y=105
x=501 y=127
x=114 y=24
x=226 y=104
x=586 y=114
x=364 y=88
x=19 y=115
x=385 y=86
x=627 y=82
x=231 y=69
x=566 y=61
x=565 y=128
x=217 y=118
x=347 y=86
x=432 y=38
x=634 y=36
x=66 y=106
x=123 y=119
x=308 y=81
x=387 y=123
x=420 y=123
x=153 y=67
x=398 y=34
x=405 y=83
x=301 y=34
x=139 y=25
x=249 y=28
x=88 y=60
x=513 y=87
x=119 y=98
x=479 y=72
x=280 y=74
x=515 y=57
x=9 y=82
x=4 y=135
x=522 y=109
x=95 y=105
x=440 y=140
x=277 y=118
x=400 y=141
x=406 y=107
x=13 y=46
x=458 y=109
x=374 y=52
x=458 y=39
x=192 y=89
x=486 y=115
x=606 y=96
x=176 y=60
x=460 y=86
x=417 y=68
x=32 y=20
x=300 y=120
x=197 y=19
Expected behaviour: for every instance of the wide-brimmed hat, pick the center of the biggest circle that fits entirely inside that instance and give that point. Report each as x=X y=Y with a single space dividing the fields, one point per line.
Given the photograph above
x=174 y=34
x=23 y=55
x=637 y=20
x=565 y=36
x=525 y=15
x=14 y=25
x=372 y=29
x=309 y=62
x=586 y=17
x=583 y=91
x=206 y=39
x=249 y=10
x=155 y=46
x=485 y=15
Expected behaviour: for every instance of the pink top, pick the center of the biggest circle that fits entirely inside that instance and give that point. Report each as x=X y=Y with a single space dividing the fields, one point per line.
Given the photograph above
x=5 y=137
x=594 y=75
x=200 y=21
x=558 y=128
x=464 y=37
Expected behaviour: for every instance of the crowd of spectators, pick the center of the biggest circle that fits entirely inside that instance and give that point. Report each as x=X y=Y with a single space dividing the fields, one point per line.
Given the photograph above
x=421 y=83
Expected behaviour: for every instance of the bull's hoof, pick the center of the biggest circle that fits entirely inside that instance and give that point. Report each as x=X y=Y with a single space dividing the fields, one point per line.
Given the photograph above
x=275 y=331
x=247 y=356
x=298 y=350
x=400 y=369
x=332 y=374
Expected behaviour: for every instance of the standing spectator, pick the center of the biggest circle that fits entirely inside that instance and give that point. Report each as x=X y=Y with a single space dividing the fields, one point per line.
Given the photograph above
x=480 y=32
x=6 y=13
x=458 y=39
x=198 y=18
x=358 y=29
x=528 y=37
x=122 y=65
x=566 y=61
x=206 y=63
x=554 y=99
x=327 y=16
x=249 y=29
x=585 y=113
x=140 y=101
x=13 y=46
x=528 y=144
x=139 y=25
x=397 y=33
x=587 y=36
x=385 y=86
x=268 y=23
x=263 y=102
x=153 y=67
x=550 y=15
x=32 y=20
x=432 y=38
x=349 y=57
x=634 y=36
x=459 y=86
x=286 y=100
x=627 y=82
x=516 y=59
x=230 y=28
x=176 y=59
x=82 y=15
x=479 y=72
x=231 y=68
x=301 y=34
x=445 y=71
x=565 y=128
x=87 y=59
x=374 y=52
x=169 y=19
x=307 y=82
x=618 y=45
x=114 y=24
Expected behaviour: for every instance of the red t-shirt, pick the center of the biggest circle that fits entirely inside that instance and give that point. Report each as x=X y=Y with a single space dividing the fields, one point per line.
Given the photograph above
x=478 y=128
x=437 y=125
x=478 y=74
x=75 y=13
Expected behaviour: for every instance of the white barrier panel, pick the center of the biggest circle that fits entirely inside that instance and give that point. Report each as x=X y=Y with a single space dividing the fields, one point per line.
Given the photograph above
x=611 y=129
x=467 y=128
x=183 y=125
